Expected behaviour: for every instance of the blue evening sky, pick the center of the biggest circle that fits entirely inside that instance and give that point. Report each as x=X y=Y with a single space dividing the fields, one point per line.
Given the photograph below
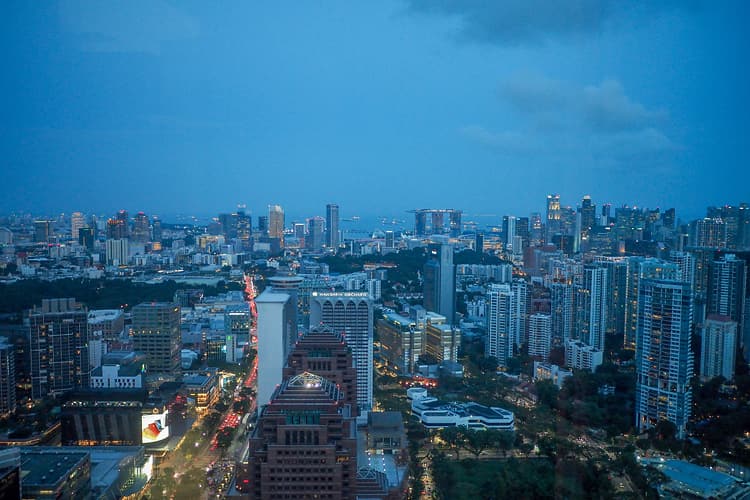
x=379 y=106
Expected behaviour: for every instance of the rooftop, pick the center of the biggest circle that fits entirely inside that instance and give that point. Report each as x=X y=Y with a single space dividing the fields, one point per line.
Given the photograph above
x=46 y=467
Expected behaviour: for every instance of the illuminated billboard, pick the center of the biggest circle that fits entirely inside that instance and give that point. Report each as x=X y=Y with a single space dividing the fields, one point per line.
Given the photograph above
x=154 y=427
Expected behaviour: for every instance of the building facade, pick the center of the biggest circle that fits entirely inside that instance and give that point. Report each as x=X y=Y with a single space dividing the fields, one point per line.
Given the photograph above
x=156 y=333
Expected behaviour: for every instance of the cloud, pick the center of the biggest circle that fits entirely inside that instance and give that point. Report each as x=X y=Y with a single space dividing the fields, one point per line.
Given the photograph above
x=143 y=26
x=513 y=22
x=555 y=117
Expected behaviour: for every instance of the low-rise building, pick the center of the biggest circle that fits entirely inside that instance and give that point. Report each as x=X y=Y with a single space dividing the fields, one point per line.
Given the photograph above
x=582 y=356
x=547 y=371
x=437 y=414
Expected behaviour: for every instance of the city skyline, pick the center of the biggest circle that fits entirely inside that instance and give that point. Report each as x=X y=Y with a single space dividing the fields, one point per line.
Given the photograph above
x=138 y=102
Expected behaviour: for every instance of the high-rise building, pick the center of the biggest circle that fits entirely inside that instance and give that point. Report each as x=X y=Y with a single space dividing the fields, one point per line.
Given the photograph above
x=86 y=237
x=454 y=222
x=332 y=225
x=639 y=268
x=244 y=227
x=237 y=321
x=351 y=314
x=141 y=228
x=536 y=230
x=7 y=378
x=726 y=291
x=561 y=308
x=502 y=323
x=479 y=242
x=663 y=358
x=117 y=229
x=117 y=252
x=588 y=216
x=276 y=223
x=617 y=281
x=277 y=324
x=390 y=240
x=228 y=224
x=590 y=322
x=439 y=281
x=686 y=266
x=58 y=333
x=77 y=221
x=156 y=333
x=553 y=221
x=718 y=347
x=509 y=230
x=315 y=231
x=42 y=231
x=156 y=229
x=304 y=445
x=540 y=335
x=441 y=340
x=709 y=233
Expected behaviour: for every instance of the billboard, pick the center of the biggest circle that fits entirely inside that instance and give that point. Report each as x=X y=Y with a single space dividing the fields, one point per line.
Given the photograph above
x=154 y=427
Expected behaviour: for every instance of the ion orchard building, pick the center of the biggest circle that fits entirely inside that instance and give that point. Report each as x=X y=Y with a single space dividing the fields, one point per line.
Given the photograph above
x=436 y=414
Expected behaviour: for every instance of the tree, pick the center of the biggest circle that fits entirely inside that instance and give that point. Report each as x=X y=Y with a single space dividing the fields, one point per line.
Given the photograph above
x=487 y=364
x=547 y=392
x=453 y=437
x=476 y=441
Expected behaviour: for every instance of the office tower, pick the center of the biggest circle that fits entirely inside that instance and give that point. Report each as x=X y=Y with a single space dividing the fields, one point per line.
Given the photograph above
x=439 y=281
x=277 y=330
x=315 y=231
x=582 y=356
x=351 y=314
x=325 y=353
x=540 y=335
x=77 y=221
x=390 y=240
x=668 y=218
x=591 y=307
x=263 y=225
x=509 y=231
x=58 y=333
x=726 y=292
x=236 y=330
x=561 y=308
x=617 y=281
x=299 y=233
x=228 y=224
x=454 y=223
x=244 y=227
x=117 y=252
x=441 y=340
x=157 y=230
x=588 y=216
x=276 y=223
x=743 y=226
x=522 y=231
x=7 y=378
x=332 y=225
x=304 y=445
x=401 y=341
x=141 y=228
x=479 y=242
x=663 y=359
x=639 y=268
x=156 y=333
x=116 y=229
x=42 y=231
x=553 y=216
x=709 y=233
x=536 y=230
x=718 y=347
x=86 y=238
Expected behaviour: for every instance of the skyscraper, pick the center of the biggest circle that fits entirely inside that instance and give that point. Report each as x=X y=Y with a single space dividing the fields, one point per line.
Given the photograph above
x=617 y=281
x=561 y=308
x=639 y=268
x=588 y=216
x=663 y=359
x=332 y=225
x=506 y=320
x=42 y=231
x=439 y=281
x=276 y=333
x=351 y=314
x=117 y=252
x=553 y=216
x=141 y=228
x=58 y=333
x=315 y=231
x=77 y=221
x=156 y=333
x=509 y=230
x=276 y=223
x=236 y=329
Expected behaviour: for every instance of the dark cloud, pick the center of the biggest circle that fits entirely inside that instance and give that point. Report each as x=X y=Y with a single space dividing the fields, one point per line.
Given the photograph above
x=510 y=22
x=593 y=121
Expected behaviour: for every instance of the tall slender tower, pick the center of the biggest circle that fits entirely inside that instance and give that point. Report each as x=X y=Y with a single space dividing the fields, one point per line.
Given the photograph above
x=439 y=283
x=276 y=223
x=276 y=333
x=663 y=359
x=726 y=292
x=591 y=307
x=77 y=221
x=553 y=216
x=332 y=225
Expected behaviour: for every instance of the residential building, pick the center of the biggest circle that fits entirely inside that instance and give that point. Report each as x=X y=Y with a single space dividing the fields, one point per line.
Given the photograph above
x=718 y=347
x=582 y=356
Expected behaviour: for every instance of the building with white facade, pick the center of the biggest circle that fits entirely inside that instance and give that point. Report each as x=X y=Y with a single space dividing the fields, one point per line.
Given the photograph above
x=277 y=325
x=582 y=356
x=540 y=335
x=120 y=370
x=718 y=347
